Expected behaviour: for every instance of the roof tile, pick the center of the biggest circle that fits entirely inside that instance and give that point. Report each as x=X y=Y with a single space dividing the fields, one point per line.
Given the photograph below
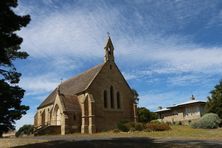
x=74 y=85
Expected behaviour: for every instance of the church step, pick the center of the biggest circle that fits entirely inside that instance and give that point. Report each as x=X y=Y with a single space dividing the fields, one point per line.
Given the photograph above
x=48 y=130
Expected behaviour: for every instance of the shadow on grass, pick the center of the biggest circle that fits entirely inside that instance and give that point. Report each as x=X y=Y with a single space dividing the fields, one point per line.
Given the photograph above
x=123 y=143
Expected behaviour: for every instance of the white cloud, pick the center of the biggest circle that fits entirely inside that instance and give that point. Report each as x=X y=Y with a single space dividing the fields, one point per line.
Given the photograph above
x=63 y=64
x=68 y=33
x=129 y=76
x=81 y=33
x=49 y=74
x=39 y=84
x=177 y=58
x=188 y=79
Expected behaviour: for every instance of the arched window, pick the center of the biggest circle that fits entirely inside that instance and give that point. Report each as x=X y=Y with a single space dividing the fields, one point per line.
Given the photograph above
x=105 y=99
x=74 y=117
x=57 y=115
x=111 y=97
x=118 y=100
x=43 y=118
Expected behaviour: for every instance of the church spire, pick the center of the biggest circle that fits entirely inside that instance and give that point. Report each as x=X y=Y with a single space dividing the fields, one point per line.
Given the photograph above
x=109 y=54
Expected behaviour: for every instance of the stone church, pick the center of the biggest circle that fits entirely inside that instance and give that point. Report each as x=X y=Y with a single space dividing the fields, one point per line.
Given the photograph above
x=93 y=101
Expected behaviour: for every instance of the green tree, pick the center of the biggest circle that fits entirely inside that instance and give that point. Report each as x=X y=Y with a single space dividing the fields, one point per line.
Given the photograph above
x=214 y=103
x=136 y=96
x=145 y=115
x=26 y=129
x=10 y=93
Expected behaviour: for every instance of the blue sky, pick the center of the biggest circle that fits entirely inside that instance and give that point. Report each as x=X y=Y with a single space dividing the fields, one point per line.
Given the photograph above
x=166 y=49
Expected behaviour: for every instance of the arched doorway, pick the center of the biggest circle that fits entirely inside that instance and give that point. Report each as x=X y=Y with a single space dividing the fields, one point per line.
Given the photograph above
x=58 y=115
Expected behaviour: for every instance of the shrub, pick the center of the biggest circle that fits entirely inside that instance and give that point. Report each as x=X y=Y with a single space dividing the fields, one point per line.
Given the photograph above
x=121 y=125
x=129 y=126
x=208 y=121
x=157 y=126
x=25 y=130
x=139 y=126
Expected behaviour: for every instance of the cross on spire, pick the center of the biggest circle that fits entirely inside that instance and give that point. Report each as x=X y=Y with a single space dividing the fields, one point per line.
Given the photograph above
x=108 y=34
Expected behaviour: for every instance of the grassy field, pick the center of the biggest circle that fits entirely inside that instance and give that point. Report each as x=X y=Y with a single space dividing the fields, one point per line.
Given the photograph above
x=185 y=132
x=177 y=133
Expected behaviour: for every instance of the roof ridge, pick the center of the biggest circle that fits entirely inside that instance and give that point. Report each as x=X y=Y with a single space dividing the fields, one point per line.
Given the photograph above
x=75 y=85
x=80 y=74
x=95 y=76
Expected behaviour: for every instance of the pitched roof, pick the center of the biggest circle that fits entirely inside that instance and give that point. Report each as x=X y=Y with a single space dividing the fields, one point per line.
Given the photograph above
x=189 y=102
x=74 y=85
x=163 y=110
x=49 y=100
x=180 y=104
x=70 y=103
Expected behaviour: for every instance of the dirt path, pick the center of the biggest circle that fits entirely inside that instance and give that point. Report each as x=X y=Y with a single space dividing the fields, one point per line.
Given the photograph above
x=105 y=142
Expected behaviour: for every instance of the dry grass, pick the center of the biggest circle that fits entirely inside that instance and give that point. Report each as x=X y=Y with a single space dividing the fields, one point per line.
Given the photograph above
x=177 y=132
x=12 y=142
x=188 y=132
x=181 y=132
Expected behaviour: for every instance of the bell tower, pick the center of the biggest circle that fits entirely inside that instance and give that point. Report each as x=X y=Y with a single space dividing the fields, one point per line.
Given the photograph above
x=109 y=50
